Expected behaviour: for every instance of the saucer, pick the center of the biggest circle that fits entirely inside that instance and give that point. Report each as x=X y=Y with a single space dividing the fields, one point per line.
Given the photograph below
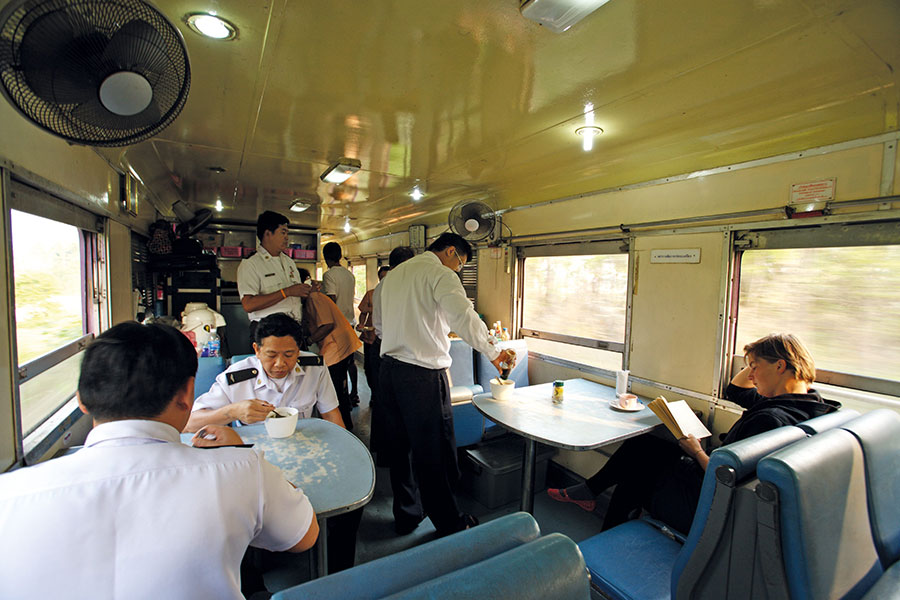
x=614 y=404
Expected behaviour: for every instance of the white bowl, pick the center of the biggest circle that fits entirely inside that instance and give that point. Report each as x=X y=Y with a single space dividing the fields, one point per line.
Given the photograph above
x=501 y=390
x=283 y=426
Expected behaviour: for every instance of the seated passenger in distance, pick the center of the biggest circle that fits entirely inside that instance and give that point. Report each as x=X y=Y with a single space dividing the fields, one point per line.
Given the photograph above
x=136 y=513
x=249 y=389
x=651 y=473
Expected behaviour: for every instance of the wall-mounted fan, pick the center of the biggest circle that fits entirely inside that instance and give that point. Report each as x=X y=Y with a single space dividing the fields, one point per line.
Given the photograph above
x=472 y=219
x=94 y=72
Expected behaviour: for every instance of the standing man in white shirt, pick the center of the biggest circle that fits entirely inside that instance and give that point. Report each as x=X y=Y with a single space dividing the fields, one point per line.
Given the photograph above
x=136 y=513
x=421 y=301
x=269 y=282
x=339 y=284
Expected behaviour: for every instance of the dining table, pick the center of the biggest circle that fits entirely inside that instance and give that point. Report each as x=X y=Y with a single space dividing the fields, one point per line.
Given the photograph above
x=331 y=465
x=587 y=418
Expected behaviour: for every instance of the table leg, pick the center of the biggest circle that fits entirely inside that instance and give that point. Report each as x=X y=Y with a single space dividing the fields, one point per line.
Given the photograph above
x=322 y=549
x=528 y=462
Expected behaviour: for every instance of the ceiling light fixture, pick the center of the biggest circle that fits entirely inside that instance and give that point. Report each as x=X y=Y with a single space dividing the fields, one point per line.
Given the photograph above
x=417 y=194
x=341 y=171
x=300 y=206
x=588 y=133
x=219 y=206
x=211 y=26
x=347 y=225
x=558 y=15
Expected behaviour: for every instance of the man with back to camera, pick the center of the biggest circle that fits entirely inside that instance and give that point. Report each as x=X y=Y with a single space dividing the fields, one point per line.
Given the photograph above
x=249 y=389
x=136 y=513
x=339 y=284
x=421 y=301
x=269 y=282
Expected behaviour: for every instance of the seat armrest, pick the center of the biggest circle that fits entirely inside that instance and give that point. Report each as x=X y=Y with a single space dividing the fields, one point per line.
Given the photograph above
x=888 y=585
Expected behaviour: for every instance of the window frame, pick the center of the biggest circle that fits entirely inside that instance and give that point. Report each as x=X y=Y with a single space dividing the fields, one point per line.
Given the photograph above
x=21 y=195
x=617 y=246
x=834 y=235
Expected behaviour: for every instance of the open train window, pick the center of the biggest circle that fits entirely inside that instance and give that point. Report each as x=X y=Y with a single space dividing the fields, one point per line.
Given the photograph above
x=835 y=287
x=575 y=302
x=57 y=288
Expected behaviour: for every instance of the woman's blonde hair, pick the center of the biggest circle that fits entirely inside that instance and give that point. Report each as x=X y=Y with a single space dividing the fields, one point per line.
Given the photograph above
x=788 y=348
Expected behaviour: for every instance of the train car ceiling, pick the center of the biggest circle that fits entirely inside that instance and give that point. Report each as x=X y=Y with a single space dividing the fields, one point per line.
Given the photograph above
x=470 y=100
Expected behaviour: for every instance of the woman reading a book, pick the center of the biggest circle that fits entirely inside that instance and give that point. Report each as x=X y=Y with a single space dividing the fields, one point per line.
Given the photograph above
x=665 y=479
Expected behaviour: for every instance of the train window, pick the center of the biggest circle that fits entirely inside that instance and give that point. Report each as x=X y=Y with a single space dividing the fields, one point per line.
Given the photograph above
x=50 y=312
x=574 y=307
x=840 y=300
x=359 y=272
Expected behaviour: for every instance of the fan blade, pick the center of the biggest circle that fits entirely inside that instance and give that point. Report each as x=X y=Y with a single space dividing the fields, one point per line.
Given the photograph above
x=93 y=113
x=56 y=56
x=137 y=46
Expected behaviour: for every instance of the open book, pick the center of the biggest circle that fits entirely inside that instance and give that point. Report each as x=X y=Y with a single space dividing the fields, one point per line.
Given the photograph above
x=679 y=418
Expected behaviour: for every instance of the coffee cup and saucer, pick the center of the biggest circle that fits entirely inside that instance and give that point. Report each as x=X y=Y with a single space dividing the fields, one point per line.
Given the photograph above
x=626 y=403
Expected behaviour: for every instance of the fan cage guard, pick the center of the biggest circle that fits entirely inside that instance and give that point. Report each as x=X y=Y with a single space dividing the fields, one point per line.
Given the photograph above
x=170 y=87
x=471 y=208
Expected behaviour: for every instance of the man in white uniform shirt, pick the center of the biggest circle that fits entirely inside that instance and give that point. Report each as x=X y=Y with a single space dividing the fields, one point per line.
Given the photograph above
x=136 y=513
x=339 y=284
x=421 y=301
x=269 y=282
x=249 y=389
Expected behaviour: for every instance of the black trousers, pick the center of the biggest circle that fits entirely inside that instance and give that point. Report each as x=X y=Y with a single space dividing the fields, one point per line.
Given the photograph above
x=420 y=444
x=338 y=372
x=652 y=474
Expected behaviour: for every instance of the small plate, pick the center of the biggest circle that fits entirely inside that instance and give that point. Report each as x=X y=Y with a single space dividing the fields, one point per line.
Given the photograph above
x=614 y=404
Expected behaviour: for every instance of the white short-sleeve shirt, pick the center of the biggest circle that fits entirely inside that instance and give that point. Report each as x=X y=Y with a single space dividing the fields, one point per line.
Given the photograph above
x=304 y=388
x=263 y=273
x=138 y=514
x=338 y=281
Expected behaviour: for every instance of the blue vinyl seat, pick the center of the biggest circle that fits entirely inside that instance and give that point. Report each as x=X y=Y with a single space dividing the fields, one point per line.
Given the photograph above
x=815 y=534
x=208 y=367
x=703 y=565
x=829 y=421
x=398 y=572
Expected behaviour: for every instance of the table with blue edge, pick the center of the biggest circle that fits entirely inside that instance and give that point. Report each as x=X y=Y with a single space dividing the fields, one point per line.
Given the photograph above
x=584 y=420
x=331 y=465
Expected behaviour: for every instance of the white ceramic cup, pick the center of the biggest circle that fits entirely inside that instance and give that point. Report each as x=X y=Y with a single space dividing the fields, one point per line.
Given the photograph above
x=621 y=382
x=283 y=426
x=502 y=391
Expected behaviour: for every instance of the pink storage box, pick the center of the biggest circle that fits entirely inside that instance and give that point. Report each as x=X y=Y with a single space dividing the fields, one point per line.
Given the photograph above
x=230 y=251
x=304 y=254
x=248 y=251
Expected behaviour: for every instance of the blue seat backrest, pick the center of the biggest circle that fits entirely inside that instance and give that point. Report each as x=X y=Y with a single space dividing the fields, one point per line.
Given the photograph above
x=391 y=574
x=462 y=366
x=238 y=357
x=741 y=456
x=823 y=517
x=487 y=371
x=878 y=433
x=208 y=367
x=826 y=422
x=549 y=568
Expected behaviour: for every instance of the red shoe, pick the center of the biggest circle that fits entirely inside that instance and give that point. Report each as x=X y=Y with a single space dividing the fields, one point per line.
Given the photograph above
x=560 y=495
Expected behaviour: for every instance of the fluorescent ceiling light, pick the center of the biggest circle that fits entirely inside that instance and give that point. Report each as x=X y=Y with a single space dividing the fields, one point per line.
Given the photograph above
x=347 y=225
x=341 y=171
x=587 y=134
x=558 y=15
x=417 y=194
x=219 y=206
x=300 y=206
x=211 y=26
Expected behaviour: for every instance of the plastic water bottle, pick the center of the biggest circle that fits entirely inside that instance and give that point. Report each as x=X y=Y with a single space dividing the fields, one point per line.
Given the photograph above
x=212 y=346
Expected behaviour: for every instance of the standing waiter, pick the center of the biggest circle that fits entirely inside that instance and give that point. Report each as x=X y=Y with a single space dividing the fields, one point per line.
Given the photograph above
x=421 y=301
x=269 y=281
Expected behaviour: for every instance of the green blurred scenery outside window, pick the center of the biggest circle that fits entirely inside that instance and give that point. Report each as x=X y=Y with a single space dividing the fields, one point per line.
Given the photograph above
x=843 y=304
x=359 y=271
x=583 y=296
x=49 y=311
